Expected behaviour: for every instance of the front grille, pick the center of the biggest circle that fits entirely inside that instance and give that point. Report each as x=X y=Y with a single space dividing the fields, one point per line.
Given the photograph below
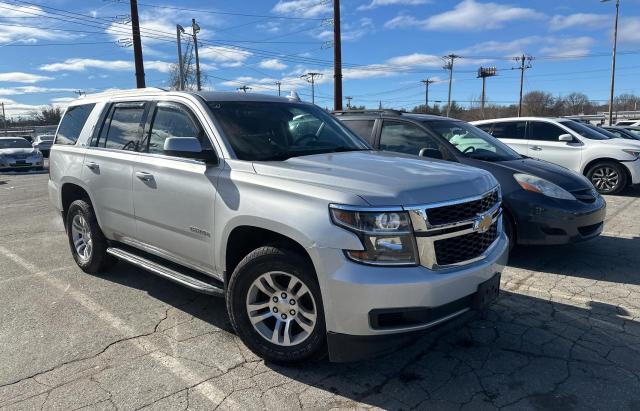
x=20 y=156
x=463 y=248
x=463 y=211
x=587 y=195
x=589 y=229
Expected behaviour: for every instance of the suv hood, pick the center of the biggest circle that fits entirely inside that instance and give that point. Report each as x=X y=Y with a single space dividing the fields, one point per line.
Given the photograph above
x=384 y=179
x=14 y=151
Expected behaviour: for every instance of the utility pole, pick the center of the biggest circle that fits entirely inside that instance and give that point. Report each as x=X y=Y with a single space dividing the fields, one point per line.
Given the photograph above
x=244 y=88
x=450 y=59
x=613 y=60
x=426 y=82
x=311 y=78
x=484 y=72
x=278 y=83
x=337 y=57
x=4 y=119
x=348 y=98
x=525 y=63
x=137 y=44
x=196 y=30
x=179 y=32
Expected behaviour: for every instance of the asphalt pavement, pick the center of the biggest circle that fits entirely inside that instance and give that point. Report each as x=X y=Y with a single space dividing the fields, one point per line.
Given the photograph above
x=565 y=334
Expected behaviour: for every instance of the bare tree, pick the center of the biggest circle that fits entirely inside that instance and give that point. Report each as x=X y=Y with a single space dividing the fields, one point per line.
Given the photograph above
x=48 y=115
x=576 y=103
x=538 y=103
x=626 y=102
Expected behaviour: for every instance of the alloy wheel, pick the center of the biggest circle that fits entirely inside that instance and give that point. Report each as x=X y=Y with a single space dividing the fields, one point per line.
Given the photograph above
x=281 y=308
x=81 y=237
x=605 y=179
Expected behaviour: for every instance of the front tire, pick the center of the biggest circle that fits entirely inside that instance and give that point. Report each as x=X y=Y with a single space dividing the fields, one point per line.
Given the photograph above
x=87 y=242
x=608 y=177
x=275 y=305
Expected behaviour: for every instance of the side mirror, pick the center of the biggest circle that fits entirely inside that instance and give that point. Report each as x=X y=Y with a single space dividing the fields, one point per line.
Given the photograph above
x=431 y=153
x=188 y=147
x=565 y=137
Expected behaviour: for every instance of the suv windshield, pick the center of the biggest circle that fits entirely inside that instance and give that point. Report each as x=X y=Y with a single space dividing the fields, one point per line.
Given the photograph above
x=14 y=143
x=260 y=131
x=471 y=141
x=584 y=131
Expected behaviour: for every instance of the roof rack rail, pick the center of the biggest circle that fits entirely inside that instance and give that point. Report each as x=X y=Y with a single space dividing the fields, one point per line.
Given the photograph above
x=379 y=111
x=124 y=92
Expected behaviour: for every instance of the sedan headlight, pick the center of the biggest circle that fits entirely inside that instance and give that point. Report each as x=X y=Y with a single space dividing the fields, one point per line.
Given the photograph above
x=387 y=236
x=633 y=153
x=542 y=186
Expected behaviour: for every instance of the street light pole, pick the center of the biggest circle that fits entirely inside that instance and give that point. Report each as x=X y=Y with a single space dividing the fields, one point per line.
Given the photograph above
x=613 y=60
x=179 y=31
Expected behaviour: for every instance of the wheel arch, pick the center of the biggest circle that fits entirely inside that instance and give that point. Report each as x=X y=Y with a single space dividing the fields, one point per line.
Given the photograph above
x=71 y=191
x=592 y=163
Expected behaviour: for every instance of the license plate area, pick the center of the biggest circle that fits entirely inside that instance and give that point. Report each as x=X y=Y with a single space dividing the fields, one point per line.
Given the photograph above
x=487 y=293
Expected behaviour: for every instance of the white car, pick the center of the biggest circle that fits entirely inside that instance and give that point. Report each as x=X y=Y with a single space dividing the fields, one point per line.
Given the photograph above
x=610 y=164
x=628 y=123
x=16 y=153
x=43 y=143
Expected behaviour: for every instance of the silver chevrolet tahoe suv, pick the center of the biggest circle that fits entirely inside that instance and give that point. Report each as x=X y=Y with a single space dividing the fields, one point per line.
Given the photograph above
x=317 y=243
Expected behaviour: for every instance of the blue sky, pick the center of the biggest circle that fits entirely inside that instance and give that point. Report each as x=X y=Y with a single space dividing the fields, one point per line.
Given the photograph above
x=388 y=47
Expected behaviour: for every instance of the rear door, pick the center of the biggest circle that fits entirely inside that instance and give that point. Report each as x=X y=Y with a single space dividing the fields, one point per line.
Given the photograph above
x=544 y=144
x=108 y=168
x=512 y=133
x=174 y=197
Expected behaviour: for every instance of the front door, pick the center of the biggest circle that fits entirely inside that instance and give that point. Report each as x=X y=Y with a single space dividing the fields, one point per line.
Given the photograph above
x=544 y=144
x=108 y=168
x=174 y=197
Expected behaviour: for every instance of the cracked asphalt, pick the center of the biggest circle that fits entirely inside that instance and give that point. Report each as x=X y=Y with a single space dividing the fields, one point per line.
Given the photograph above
x=565 y=334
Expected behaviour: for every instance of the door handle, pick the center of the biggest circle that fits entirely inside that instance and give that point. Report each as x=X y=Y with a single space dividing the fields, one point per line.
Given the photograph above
x=144 y=176
x=536 y=148
x=92 y=165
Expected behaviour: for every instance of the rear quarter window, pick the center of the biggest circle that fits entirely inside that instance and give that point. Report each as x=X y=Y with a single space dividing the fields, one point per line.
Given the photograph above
x=72 y=124
x=363 y=128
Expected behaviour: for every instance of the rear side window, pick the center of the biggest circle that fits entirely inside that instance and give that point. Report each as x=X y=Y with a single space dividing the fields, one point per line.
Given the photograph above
x=363 y=128
x=485 y=127
x=122 y=127
x=512 y=129
x=72 y=124
x=542 y=131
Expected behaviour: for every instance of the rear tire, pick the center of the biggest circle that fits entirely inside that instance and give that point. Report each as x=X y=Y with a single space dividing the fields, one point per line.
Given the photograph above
x=275 y=306
x=88 y=243
x=608 y=177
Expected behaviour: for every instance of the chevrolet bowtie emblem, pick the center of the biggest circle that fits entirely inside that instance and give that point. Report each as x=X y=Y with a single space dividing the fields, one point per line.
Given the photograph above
x=483 y=223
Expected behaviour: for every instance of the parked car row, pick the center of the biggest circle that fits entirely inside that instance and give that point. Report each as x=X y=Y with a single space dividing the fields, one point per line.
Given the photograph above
x=322 y=235
x=16 y=153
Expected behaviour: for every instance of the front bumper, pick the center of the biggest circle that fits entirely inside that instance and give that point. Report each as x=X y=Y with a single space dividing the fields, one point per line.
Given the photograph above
x=354 y=293
x=14 y=165
x=634 y=170
x=553 y=222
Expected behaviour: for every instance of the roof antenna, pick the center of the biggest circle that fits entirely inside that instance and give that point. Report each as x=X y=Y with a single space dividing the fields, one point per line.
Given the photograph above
x=293 y=96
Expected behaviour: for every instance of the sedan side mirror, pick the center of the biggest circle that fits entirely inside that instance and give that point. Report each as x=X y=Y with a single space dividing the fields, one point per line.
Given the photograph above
x=565 y=137
x=188 y=147
x=431 y=153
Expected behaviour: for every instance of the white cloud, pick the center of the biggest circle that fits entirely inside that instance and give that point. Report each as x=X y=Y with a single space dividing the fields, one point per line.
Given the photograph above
x=13 y=31
x=549 y=45
x=416 y=60
x=19 y=77
x=629 y=30
x=302 y=8
x=15 y=109
x=81 y=64
x=379 y=3
x=501 y=48
x=468 y=15
x=16 y=91
x=579 y=20
x=575 y=47
x=272 y=64
x=350 y=31
x=226 y=56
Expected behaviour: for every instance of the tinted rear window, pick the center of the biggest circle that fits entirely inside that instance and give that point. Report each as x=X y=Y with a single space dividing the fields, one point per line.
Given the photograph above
x=363 y=128
x=510 y=129
x=72 y=124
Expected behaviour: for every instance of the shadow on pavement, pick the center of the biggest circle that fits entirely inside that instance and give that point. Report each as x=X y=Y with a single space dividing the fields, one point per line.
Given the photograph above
x=526 y=353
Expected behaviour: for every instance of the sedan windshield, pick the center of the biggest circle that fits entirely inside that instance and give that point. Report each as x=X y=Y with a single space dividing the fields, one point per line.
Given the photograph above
x=471 y=141
x=14 y=143
x=584 y=131
x=260 y=131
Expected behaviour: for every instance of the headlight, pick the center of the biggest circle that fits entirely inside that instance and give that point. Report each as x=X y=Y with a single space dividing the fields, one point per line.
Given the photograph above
x=634 y=153
x=387 y=236
x=542 y=186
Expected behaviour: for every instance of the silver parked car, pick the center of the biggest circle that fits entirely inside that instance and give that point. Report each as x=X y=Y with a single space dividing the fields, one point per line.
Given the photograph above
x=315 y=240
x=43 y=143
x=16 y=153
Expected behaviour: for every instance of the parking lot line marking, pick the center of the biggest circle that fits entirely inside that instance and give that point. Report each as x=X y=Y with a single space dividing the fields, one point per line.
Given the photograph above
x=173 y=365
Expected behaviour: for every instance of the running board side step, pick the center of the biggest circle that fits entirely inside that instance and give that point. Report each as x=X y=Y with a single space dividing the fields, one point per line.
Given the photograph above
x=165 y=272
